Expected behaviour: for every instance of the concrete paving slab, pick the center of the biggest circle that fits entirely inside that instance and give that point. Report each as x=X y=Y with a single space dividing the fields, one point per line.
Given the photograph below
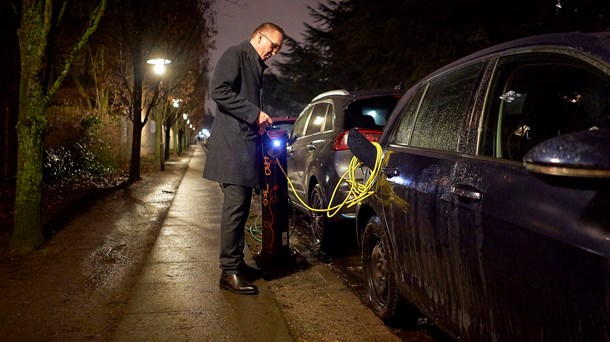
x=176 y=297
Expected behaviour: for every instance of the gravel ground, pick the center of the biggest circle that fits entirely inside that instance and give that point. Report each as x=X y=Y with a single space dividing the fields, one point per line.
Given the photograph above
x=321 y=297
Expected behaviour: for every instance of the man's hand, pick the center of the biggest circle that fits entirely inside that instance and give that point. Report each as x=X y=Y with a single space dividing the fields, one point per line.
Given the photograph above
x=263 y=121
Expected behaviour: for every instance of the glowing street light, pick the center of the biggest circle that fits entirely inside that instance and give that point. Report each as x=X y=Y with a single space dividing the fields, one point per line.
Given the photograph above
x=159 y=65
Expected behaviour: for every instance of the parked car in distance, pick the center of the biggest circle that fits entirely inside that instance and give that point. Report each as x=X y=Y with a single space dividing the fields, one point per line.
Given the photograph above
x=317 y=154
x=492 y=212
x=279 y=128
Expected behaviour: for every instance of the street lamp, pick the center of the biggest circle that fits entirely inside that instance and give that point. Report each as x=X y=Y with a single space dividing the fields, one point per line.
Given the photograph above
x=159 y=69
x=159 y=65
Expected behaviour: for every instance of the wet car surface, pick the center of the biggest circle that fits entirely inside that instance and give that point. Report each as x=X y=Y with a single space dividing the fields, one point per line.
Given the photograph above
x=492 y=210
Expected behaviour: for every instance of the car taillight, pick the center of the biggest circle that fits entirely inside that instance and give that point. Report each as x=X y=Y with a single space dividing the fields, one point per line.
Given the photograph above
x=340 y=142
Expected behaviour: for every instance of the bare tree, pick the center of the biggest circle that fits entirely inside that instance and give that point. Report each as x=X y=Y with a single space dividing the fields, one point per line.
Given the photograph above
x=38 y=19
x=178 y=31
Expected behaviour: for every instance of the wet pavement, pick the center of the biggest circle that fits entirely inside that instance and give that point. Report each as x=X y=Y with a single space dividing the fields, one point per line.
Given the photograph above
x=178 y=286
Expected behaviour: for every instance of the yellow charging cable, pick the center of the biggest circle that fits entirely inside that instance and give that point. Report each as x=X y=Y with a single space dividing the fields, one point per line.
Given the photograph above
x=357 y=192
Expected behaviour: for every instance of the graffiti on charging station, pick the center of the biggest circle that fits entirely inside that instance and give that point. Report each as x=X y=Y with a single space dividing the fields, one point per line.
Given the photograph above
x=269 y=196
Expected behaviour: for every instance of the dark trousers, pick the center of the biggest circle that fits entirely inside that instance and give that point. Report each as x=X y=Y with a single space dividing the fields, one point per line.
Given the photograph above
x=235 y=210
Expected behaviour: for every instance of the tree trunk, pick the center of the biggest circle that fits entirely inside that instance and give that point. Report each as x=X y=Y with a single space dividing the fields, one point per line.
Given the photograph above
x=136 y=141
x=136 y=101
x=27 y=232
x=32 y=123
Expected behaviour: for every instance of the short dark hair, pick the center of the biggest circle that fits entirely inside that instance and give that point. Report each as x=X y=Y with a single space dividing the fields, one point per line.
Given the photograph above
x=269 y=26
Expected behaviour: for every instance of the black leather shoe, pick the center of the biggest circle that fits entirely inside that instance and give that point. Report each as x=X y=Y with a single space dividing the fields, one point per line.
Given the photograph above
x=250 y=272
x=236 y=283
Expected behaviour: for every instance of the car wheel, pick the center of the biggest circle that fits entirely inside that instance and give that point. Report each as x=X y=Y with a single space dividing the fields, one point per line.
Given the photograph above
x=379 y=276
x=319 y=221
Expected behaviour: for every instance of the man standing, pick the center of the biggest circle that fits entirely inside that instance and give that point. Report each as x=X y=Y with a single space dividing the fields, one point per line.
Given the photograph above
x=234 y=157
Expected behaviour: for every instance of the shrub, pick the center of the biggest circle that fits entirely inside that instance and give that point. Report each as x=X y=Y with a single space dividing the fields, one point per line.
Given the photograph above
x=86 y=157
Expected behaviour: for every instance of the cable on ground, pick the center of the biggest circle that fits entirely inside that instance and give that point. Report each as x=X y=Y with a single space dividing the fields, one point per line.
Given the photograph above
x=256 y=229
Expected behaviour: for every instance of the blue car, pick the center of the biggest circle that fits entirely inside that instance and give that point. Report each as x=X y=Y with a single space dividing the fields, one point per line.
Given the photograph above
x=491 y=210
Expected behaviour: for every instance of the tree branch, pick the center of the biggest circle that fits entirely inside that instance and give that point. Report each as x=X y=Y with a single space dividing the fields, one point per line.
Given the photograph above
x=97 y=15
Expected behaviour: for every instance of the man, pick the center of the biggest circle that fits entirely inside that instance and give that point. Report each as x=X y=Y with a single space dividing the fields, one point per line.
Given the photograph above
x=234 y=157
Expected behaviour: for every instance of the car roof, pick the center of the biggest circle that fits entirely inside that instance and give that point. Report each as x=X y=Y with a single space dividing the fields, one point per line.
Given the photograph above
x=360 y=94
x=357 y=94
x=336 y=92
x=596 y=44
x=346 y=98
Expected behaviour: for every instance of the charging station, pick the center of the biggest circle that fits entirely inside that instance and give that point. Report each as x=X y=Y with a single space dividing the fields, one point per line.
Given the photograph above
x=275 y=207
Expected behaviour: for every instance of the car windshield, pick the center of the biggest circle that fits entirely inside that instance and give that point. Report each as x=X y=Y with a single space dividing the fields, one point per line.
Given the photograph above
x=371 y=112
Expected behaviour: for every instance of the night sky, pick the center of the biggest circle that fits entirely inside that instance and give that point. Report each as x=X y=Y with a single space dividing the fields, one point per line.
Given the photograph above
x=235 y=23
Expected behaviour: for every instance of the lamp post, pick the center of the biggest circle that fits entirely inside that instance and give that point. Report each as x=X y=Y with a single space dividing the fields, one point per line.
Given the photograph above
x=159 y=68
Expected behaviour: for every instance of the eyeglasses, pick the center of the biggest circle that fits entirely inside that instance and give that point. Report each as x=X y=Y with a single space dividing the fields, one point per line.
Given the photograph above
x=274 y=46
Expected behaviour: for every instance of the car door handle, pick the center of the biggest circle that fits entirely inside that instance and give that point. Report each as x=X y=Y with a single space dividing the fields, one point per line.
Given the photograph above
x=310 y=147
x=466 y=191
x=390 y=171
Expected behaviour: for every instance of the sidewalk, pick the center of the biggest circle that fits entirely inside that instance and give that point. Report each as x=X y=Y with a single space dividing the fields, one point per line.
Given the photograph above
x=140 y=263
x=176 y=297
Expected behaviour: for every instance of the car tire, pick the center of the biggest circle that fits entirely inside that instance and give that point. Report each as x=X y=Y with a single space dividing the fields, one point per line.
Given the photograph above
x=320 y=231
x=379 y=275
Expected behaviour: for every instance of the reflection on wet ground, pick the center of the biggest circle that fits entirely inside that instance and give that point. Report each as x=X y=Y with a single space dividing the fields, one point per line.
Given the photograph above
x=345 y=264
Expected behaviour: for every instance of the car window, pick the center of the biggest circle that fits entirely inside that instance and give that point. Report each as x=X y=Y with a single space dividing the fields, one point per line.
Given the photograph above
x=299 y=125
x=534 y=100
x=370 y=112
x=316 y=122
x=405 y=126
x=329 y=122
x=444 y=108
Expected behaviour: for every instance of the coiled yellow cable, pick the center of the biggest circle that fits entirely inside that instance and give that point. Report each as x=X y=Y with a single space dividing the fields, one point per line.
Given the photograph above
x=357 y=192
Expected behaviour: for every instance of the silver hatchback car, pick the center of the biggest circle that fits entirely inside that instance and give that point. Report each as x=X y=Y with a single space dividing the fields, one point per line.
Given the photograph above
x=317 y=153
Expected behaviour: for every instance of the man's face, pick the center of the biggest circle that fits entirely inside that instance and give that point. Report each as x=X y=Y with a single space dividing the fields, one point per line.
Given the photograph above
x=271 y=43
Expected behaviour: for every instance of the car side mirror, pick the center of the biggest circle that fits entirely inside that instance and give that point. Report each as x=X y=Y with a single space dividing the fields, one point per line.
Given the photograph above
x=583 y=154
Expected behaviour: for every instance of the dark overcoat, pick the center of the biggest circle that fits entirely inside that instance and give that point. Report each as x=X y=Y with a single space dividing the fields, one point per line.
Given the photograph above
x=234 y=155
